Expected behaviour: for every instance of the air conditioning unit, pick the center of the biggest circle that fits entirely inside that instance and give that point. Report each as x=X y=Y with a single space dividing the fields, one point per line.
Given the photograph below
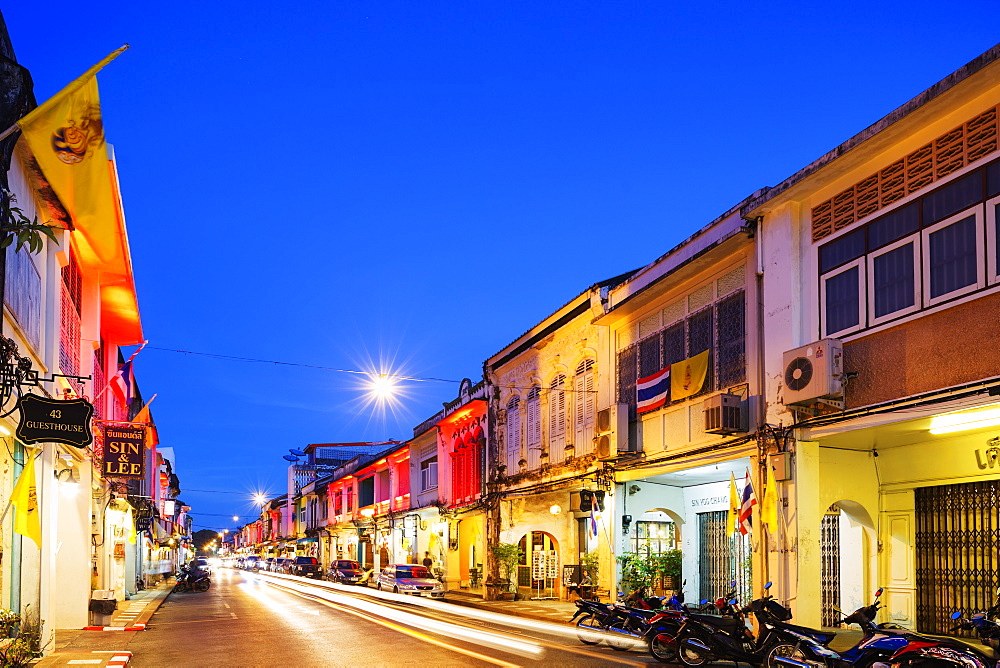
x=724 y=414
x=814 y=372
x=612 y=431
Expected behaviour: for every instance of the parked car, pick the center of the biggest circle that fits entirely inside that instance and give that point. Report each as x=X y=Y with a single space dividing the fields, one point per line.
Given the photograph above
x=282 y=564
x=409 y=579
x=345 y=571
x=252 y=563
x=306 y=567
x=267 y=564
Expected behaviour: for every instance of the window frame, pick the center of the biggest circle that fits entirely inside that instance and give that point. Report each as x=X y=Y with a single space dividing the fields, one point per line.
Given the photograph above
x=425 y=473
x=870 y=258
x=992 y=266
x=980 y=282
x=859 y=264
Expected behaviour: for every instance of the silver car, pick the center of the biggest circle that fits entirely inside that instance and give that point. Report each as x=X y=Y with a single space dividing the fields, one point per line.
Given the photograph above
x=409 y=579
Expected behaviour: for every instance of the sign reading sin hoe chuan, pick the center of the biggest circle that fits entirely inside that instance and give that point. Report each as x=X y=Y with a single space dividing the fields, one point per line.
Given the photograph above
x=124 y=451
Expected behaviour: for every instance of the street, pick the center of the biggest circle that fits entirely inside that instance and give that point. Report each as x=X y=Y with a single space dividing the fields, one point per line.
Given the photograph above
x=250 y=619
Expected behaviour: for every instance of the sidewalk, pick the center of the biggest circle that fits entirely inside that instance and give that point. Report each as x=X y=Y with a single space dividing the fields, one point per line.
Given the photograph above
x=107 y=646
x=553 y=610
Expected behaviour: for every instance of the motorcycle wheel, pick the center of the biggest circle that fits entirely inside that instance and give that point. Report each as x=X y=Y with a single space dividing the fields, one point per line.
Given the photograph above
x=690 y=654
x=784 y=650
x=178 y=588
x=588 y=622
x=203 y=585
x=662 y=651
x=622 y=641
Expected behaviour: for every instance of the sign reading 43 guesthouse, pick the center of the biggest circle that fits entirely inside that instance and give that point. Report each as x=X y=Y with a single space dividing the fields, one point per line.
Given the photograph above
x=124 y=451
x=45 y=420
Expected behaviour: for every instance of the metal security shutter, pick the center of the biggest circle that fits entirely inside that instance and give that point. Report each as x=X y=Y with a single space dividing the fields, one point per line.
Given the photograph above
x=957 y=538
x=722 y=559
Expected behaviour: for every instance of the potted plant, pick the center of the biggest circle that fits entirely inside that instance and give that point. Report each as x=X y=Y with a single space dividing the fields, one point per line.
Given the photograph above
x=667 y=569
x=507 y=556
x=591 y=564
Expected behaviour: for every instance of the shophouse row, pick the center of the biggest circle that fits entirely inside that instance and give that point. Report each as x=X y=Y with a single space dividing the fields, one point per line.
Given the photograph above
x=834 y=334
x=95 y=522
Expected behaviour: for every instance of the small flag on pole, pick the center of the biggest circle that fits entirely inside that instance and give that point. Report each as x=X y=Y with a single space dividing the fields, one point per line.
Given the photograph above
x=746 y=508
x=122 y=383
x=733 y=518
x=25 y=500
x=769 y=503
x=652 y=391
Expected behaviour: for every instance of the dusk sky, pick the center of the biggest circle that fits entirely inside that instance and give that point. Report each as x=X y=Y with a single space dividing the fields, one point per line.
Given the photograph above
x=412 y=185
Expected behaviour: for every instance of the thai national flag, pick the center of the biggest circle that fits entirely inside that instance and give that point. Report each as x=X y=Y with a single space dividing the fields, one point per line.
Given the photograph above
x=652 y=391
x=746 y=510
x=122 y=383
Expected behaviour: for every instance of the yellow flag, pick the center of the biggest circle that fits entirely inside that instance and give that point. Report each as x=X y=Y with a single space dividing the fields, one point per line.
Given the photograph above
x=66 y=138
x=733 y=519
x=687 y=376
x=25 y=499
x=769 y=504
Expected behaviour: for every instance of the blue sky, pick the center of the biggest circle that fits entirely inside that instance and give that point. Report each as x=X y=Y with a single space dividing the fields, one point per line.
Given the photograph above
x=422 y=182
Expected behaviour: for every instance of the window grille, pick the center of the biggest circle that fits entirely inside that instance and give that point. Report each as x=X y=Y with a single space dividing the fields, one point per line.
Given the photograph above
x=720 y=329
x=99 y=381
x=23 y=293
x=731 y=340
x=69 y=334
x=701 y=332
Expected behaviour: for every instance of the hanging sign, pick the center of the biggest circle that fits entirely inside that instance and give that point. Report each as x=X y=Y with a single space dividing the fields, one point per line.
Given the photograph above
x=45 y=420
x=124 y=451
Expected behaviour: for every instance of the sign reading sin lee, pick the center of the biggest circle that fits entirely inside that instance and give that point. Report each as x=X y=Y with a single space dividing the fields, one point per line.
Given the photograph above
x=124 y=451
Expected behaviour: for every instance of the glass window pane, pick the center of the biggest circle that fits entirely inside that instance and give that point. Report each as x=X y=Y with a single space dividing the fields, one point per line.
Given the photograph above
x=893 y=280
x=846 y=248
x=993 y=179
x=842 y=307
x=893 y=227
x=953 y=257
x=953 y=198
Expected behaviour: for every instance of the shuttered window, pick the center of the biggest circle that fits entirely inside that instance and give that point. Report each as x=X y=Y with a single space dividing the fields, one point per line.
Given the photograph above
x=583 y=388
x=513 y=435
x=557 y=419
x=534 y=427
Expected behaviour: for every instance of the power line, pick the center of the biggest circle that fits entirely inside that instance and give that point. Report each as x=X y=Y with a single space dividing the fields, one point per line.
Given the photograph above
x=308 y=366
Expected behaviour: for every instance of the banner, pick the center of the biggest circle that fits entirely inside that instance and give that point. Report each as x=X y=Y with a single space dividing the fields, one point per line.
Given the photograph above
x=124 y=451
x=688 y=376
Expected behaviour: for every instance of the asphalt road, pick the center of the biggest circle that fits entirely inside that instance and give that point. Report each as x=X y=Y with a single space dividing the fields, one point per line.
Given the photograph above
x=259 y=620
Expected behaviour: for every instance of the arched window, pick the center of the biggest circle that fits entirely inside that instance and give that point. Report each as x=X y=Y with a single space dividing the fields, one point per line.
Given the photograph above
x=534 y=427
x=513 y=435
x=557 y=419
x=583 y=387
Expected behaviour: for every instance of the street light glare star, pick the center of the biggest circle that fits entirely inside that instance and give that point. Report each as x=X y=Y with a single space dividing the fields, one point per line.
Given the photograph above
x=382 y=387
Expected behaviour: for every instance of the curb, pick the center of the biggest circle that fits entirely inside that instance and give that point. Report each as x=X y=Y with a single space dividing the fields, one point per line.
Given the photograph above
x=120 y=659
x=512 y=613
x=134 y=627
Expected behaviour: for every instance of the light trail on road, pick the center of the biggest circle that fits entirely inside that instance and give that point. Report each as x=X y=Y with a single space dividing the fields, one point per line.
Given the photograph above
x=534 y=648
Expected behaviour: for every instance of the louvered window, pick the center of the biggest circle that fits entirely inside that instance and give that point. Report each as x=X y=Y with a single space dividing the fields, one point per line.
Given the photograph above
x=583 y=388
x=701 y=327
x=557 y=419
x=23 y=293
x=69 y=334
x=534 y=427
x=513 y=435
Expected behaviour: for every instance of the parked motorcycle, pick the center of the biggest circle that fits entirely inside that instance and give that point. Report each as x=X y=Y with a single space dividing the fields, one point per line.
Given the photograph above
x=591 y=619
x=192 y=580
x=882 y=645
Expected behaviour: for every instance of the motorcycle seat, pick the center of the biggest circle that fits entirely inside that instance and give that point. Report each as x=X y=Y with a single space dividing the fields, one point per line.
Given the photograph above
x=806 y=631
x=724 y=623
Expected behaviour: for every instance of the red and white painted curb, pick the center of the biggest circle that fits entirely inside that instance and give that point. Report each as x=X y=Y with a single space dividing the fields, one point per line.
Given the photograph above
x=134 y=627
x=120 y=659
